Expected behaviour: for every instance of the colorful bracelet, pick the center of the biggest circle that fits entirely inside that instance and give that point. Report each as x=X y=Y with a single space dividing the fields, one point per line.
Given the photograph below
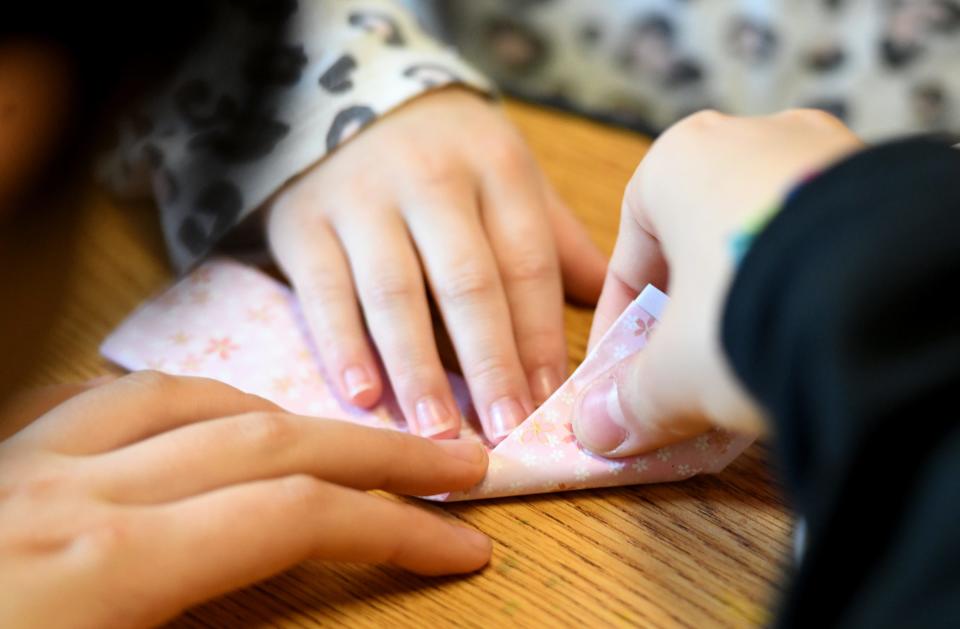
x=743 y=238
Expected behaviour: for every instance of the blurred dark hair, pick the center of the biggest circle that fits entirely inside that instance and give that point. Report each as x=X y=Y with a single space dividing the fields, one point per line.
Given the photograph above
x=114 y=51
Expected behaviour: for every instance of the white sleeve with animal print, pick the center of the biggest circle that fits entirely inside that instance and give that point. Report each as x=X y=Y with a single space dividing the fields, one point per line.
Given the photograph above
x=250 y=110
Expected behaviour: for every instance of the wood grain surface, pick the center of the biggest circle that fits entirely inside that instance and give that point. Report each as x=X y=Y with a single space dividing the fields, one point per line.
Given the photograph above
x=707 y=552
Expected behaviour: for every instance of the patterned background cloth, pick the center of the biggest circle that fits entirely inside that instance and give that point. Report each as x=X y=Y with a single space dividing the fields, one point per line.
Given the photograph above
x=250 y=110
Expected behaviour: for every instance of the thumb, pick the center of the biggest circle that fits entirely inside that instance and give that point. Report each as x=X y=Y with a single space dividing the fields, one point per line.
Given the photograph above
x=679 y=386
x=647 y=401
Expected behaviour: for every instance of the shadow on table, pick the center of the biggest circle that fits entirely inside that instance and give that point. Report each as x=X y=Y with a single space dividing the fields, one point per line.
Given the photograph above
x=702 y=516
x=315 y=592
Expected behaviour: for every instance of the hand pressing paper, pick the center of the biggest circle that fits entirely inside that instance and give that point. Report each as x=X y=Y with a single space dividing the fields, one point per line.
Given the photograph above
x=233 y=323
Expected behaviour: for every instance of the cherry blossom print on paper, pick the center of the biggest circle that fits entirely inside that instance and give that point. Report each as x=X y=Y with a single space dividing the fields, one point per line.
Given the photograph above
x=246 y=330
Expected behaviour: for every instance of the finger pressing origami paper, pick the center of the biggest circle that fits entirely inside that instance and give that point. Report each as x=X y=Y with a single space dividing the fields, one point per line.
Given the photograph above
x=233 y=323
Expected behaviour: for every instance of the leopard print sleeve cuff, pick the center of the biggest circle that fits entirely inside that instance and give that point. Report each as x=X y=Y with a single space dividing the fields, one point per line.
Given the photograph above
x=259 y=103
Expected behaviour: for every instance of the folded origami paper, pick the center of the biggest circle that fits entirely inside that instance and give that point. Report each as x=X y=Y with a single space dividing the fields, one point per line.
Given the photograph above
x=234 y=323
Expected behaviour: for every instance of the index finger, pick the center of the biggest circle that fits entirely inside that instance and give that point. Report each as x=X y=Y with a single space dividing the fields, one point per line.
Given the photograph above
x=637 y=260
x=253 y=446
x=134 y=407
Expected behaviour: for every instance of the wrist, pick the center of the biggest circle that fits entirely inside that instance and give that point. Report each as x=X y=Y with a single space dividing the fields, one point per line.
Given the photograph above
x=744 y=236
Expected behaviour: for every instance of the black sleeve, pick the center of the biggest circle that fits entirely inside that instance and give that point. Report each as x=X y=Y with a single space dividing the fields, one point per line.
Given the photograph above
x=843 y=322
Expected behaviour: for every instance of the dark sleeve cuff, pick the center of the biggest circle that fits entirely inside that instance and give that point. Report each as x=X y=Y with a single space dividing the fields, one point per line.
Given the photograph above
x=841 y=322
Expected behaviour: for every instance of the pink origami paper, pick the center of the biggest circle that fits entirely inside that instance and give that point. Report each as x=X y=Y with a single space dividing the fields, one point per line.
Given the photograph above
x=233 y=323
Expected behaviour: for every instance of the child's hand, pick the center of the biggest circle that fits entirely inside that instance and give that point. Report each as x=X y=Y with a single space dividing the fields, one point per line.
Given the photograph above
x=701 y=182
x=442 y=189
x=134 y=500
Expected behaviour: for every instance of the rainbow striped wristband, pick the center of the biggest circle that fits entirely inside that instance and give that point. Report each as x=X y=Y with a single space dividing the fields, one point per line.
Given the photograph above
x=743 y=238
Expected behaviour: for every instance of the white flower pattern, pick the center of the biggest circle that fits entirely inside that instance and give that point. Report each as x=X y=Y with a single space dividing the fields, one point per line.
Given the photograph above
x=293 y=380
x=665 y=453
x=702 y=443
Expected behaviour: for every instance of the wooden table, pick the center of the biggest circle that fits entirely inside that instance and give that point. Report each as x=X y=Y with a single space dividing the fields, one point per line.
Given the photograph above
x=706 y=552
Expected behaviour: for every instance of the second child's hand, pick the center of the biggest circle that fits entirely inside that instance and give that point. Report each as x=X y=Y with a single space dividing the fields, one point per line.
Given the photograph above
x=133 y=500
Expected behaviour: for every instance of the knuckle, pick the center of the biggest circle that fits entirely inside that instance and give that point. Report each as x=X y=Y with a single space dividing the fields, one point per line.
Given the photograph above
x=38 y=488
x=431 y=170
x=300 y=489
x=397 y=455
x=325 y=290
x=492 y=369
x=709 y=116
x=530 y=266
x=150 y=380
x=813 y=116
x=466 y=281
x=543 y=345
x=393 y=289
x=298 y=214
x=634 y=189
x=508 y=156
x=398 y=443
x=680 y=137
x=107 y=537
x=250 y=400
x=704 y=118
x=416 y=374
x=52 y=478
x=268 y=430
x=687 y=129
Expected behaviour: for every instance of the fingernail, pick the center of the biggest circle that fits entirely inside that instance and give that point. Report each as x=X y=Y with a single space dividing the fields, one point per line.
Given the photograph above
x=476 y=539
x=599 y=420
x=356 y=381
x=543 y=382
x=505 y=415
x=469 y=451
x=433 y=417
